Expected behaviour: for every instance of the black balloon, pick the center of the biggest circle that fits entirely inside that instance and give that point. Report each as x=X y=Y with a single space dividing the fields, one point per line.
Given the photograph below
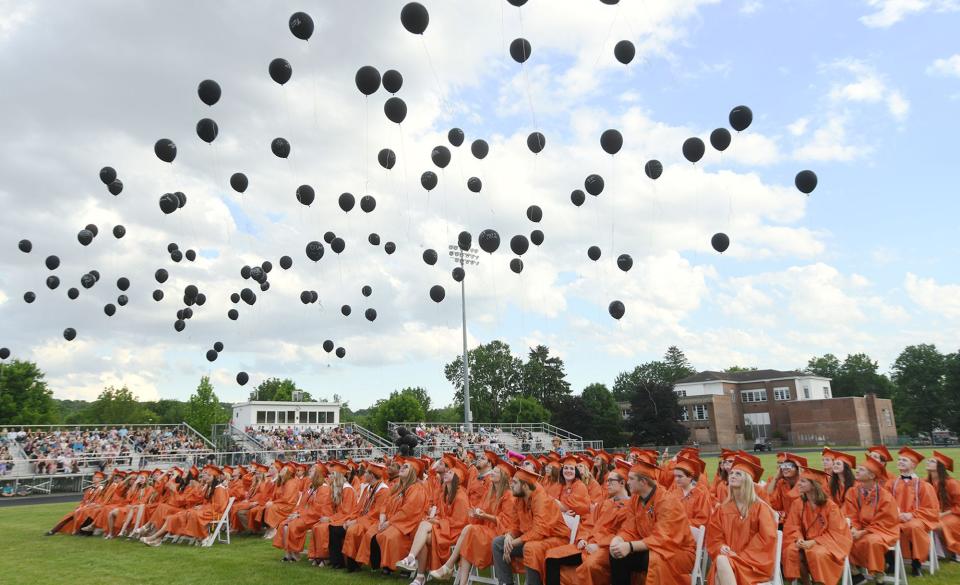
x=122 y=300
x=123 y=283
x=211 y=355
x=53 y=282
x=52 y=262
x=191 y=291
x=209 y=91
x=517 y=3
x=720 y=242
x=84 y=237
x=368 y=203
x=387 y=158
x=25 y=246
x=516 y=265
x=392 y=80
x=181 y=199
x=395 y=109
x=169 y=203
x=474 y=184
x=190 y=255
x=165 y=150
x=239 y=182
x=624 y=262
x=161 y=275
x=328 y=345
x=519 y=245
x=593 y=184
x=328 y=237
x=414 y=17
x=29 y=297
x=720 y=139
x=367 y=80
x=437 y=293
x=207 y=130
x=286 y=262
x=520 y=50
x=179 y=325
x=245 y=272
x=346 y=310
x=280 y=70
x=370 y=314
x=616 y=310
x=176 y=256
x=4 y=353
x=201 y=299
x=593 y=253
x=92 y=229
x=280 y=147
x=218 y=346
x=341 y=352
x=389 y=248
x=346 y=201
x=367 y=290
x=693 y=149
x=315 y=251
x=301 y=25
x=464 y=240
x=243 y=378
x=534 y=213
x=374 y=239
x=69 y=333
x=338 y=245
x=740 y=118
x=458 y=274
x=248 y=296
x=108 y=175
x=611 y=141
x=489 y=241
x=429 y=180
x=256 y=273
x=653 y=169
x=172 y=246
x=430 y=256
x=624 y=51
x=440 y=156
x=479 y=148
x=233 y=314
x=116 y=187
x=96 y=275
x=234 y=298
x=536 y=142
x=536 y=237
x=73 y=293
x=305 y=194
x=806 y=181
x=158 y=295
x=119 y=231
x=577 y=197
x=455 y=136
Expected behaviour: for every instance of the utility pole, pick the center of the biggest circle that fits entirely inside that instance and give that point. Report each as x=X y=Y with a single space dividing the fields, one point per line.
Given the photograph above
x=469 y=257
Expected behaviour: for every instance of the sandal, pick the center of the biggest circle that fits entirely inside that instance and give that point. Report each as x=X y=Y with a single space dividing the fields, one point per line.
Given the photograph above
x=407 y=564
x=444 y=572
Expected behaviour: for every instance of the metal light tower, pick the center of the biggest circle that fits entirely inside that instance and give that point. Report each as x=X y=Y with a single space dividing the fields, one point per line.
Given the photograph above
x=469 y=257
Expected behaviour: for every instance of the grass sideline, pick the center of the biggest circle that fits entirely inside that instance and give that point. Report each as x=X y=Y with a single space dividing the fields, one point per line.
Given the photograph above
x=29 y=558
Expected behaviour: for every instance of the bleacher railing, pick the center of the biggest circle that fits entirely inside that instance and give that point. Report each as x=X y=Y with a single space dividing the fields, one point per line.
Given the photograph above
x=509 y=428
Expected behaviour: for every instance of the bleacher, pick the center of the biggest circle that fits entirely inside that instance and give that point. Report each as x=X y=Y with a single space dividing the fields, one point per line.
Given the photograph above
x=439 y=437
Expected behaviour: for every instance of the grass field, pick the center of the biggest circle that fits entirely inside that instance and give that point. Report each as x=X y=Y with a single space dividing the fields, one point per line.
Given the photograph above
x=27 y=557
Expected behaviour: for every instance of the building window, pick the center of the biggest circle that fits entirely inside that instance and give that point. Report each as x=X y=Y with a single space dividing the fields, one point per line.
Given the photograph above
x=887 y=419
x=261 y=416
x=826 y=391
x=781 y=393
x=313 y=417
x=684 y=414
x=753 y=396
x=700 y=412
x=806 y=392
x=329 y=418
x=271 y=417
x=291 y=417
x=282 y=417
x=680 y=393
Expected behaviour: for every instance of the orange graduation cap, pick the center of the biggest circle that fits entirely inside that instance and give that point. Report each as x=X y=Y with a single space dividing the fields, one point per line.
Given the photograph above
x=622 y=467
x=644 y=467
x=536 y=462
x=603 y=455
x=727 y=454
x=691 y=466
x=415 y=464
x=816 y=475
x=795 y=459
x=337 y=467
x=377 y=470
x=506 y=468
x=492 y=457
x=941 y=458
x=754 y=470
x=228 y=470
x=875 y=467
x=213 y=470
x=847 y=458
x=570 y=460
x=911 y=455
x=527 y=476
x=881 y=451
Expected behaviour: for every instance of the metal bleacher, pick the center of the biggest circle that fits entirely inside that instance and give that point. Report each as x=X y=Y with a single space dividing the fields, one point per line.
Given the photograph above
x=519 y=437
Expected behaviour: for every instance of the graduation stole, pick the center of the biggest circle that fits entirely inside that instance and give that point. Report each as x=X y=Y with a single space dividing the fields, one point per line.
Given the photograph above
x=916 y=489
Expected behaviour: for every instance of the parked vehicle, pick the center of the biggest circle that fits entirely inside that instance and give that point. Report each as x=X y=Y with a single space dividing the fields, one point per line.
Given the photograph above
x=760 y=445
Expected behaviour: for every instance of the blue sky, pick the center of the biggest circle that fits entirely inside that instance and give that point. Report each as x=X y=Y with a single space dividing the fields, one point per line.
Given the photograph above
x=863 y=92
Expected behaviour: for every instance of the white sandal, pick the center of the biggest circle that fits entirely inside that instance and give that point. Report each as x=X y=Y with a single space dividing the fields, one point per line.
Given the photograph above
x=444 y=572
x=407 y=564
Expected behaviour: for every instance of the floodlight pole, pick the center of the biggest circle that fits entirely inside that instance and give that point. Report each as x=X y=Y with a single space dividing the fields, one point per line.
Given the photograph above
x=460 y=257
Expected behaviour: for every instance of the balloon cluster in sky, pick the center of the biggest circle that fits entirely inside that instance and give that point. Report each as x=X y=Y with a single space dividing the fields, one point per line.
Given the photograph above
x=415 y=18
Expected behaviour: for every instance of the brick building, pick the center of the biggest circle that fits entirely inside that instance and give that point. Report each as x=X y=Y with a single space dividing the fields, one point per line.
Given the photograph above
x=733 y=409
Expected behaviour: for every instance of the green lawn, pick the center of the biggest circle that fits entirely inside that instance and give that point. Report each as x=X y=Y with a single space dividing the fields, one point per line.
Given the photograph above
x=27 y=557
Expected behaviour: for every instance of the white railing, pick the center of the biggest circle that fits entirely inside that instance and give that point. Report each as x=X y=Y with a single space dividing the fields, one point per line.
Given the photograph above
x=489 y=428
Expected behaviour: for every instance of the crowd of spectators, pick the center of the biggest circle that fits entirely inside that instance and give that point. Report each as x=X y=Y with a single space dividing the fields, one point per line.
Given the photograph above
x=439 y=438
x=6 y=457
x=337 y=442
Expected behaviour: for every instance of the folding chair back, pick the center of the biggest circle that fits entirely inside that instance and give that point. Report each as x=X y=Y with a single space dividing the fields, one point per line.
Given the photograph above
x=220 y=530
x=697 y=575
x=573 y=523
x=777 y=578
x=899 y=571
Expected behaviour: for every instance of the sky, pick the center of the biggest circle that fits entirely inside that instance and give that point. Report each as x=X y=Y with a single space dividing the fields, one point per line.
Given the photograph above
x=863 y=92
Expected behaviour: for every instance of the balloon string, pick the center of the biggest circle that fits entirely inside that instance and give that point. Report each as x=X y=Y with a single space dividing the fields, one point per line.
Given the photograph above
x=441 y=94
x=526 y=83
x=406 y=178
x=366 y=144
x=612 y=204
x=606 y=39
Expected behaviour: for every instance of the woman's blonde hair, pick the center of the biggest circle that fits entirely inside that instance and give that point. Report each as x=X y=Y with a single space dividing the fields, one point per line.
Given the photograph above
x=496 y=490
x=819 y=497
x=402 y=484
x=744 y=496
x=337 y=481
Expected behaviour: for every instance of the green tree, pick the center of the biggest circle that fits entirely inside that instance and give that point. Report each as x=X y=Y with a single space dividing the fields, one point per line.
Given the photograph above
x=523 y=409
x=449 y=413
x=24 y=396
x=858 y=376
x=399 y=407
x=419 y=394
x=951 y=390
x=654 y=416
x=594 y=415
x=277 y=389
x=544 y=379
x=117 y=406
x=919 y=395
x=204 y=409
x=673 y=367
x=827 y=366
x=495 y=377
x=735 y=369
x=167 y=411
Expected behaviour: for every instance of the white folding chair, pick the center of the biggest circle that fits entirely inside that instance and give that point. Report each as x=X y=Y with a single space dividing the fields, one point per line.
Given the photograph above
x=933 y=564
x=777 y=578
x=847 y=577
x=899 y=571
x=573 y=523
x=220 y=530
x=697 y=575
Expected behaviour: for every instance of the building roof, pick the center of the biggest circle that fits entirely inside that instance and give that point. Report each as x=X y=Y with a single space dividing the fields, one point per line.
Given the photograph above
x=751 y=376
x=283 y=403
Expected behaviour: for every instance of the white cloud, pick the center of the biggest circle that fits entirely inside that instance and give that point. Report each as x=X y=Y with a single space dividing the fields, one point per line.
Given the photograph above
x=799 y=126
x=751 y=6
x=830 y=142
x=890 y=12
x=939 y=299
x=946 y=67
x=897 y=105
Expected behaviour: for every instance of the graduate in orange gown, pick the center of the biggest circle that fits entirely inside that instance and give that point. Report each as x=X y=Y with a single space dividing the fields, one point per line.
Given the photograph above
x=404 y=510
x=286 y=494
x=742 y=533
x=193 y=522
x=873 y=518
x=479 y=482
x=316 y=503
x=343 y=502
x=840 y=474
x=919 y=510
x=816 y=538
x=259 y=493
x=353 y=544
x=574 y=499
x=596 y=492
x=718 y=488
x=882 y=455
x=587 y=561
x=135 y=496
x=948 y=496
x=494 y=516
x=697 y=501
x=722 y=491
x=655 y=538
x=89 y=498
x=551 y=480
x=782 y=489
x=442 y=527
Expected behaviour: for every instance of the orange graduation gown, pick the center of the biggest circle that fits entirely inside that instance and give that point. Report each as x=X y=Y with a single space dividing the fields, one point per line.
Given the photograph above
x=538 y=524
x=404 y=513
x=782 y=498
x=662 y=525
x=356 y=542
x=450 y=520
x=874 y=511
x=916 y=497
x=753 y=539
x=826 y=525
x=315 y=504
x=576 y=497
x=477 y=489
x=193 y=522
x=281 y=505
x=697 y=503
x=477 y=543
x=320 y=531
x=594 y=569
x=950 y=516
x=259 y=498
